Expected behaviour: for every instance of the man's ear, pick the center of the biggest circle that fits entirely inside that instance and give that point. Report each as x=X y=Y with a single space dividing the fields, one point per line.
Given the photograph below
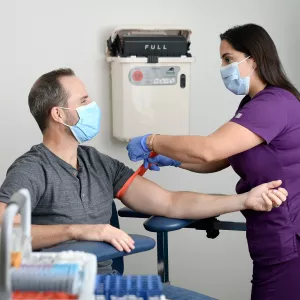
x=57 y=114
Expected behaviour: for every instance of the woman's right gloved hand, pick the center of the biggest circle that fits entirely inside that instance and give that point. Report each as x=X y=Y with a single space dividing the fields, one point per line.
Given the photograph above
x=158 y=161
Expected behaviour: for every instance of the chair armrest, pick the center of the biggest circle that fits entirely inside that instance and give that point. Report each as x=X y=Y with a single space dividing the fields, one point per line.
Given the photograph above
x=215 y=224
x=102 y=250
x=129 y=213
x=162 y=224
x=234 y=226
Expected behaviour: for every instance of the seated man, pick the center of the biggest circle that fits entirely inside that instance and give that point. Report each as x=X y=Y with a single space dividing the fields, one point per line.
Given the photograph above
x=72 y=187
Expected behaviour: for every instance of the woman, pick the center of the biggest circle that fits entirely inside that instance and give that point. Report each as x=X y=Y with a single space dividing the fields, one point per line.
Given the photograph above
x=261 y=142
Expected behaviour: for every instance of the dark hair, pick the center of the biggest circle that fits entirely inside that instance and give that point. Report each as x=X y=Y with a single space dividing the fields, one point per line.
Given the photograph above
x=254 y=41
x=46 y=93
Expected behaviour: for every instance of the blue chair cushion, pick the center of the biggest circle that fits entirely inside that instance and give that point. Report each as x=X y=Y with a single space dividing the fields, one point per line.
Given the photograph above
x=156 y=224
x=104 y=251
x=129 y=213
x=162 y=224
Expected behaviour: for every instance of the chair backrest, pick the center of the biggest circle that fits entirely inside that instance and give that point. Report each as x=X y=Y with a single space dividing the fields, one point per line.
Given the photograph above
x=118 y=263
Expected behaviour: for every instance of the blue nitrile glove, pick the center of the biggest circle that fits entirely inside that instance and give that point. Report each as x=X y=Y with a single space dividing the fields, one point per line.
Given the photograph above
x=137 y=148
x=160 y=161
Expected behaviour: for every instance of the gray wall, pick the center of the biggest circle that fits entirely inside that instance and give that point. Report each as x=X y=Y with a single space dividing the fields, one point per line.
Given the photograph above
x=38 y=36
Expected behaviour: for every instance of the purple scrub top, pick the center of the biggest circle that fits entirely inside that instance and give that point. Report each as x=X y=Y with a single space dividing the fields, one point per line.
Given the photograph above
x=274 y=115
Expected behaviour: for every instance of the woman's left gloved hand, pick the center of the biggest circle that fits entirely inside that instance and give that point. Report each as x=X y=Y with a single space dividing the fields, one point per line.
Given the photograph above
x=158 y=161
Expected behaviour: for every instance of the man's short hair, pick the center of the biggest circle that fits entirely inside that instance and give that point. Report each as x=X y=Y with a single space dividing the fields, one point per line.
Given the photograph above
x=46 y=93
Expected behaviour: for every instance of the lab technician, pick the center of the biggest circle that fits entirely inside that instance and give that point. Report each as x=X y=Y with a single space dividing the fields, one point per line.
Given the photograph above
x=261 y=142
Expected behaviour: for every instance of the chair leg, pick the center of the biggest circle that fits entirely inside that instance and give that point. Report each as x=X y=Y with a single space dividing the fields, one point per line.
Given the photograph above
x=163 y=256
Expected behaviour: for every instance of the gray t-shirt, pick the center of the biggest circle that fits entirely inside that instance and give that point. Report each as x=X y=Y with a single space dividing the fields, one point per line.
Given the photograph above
x=60 y=194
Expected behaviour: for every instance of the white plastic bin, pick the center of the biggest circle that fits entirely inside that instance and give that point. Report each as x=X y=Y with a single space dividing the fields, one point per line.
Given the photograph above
x=150 y=88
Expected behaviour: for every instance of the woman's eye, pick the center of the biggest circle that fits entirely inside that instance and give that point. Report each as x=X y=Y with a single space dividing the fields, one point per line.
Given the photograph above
x=228 y=60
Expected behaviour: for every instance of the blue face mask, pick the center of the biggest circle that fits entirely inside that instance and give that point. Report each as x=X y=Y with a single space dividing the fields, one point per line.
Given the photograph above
x=233 y=80
x=89 y=122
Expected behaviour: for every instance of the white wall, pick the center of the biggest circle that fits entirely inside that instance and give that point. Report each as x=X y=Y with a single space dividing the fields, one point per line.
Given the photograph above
x=38 y=36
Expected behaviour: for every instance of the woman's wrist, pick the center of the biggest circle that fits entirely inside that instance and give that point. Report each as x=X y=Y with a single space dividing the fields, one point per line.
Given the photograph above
x=150 y=140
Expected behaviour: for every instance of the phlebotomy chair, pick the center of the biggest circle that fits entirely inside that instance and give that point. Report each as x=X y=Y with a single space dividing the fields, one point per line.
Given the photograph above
x=162 y=226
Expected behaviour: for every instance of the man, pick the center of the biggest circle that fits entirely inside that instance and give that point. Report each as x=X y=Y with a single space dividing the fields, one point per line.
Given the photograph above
x=72 y=187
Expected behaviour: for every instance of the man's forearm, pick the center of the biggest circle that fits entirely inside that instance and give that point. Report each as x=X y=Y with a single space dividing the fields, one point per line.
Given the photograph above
x=189 y=205
x=44 y=236
x=147 y=197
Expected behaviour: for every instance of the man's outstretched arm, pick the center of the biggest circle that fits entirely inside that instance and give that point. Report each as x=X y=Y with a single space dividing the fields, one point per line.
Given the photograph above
x=147 y=197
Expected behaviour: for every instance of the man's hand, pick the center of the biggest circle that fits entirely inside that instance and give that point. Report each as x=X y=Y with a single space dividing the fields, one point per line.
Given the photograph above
x=266 y=196
x=103 y=233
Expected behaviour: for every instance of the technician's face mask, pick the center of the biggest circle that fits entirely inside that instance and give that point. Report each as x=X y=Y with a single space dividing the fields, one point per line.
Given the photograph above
x=89 y=122
x=233 y=80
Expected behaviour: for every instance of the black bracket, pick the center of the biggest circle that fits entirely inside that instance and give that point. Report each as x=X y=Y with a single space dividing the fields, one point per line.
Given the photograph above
x=152 y=59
